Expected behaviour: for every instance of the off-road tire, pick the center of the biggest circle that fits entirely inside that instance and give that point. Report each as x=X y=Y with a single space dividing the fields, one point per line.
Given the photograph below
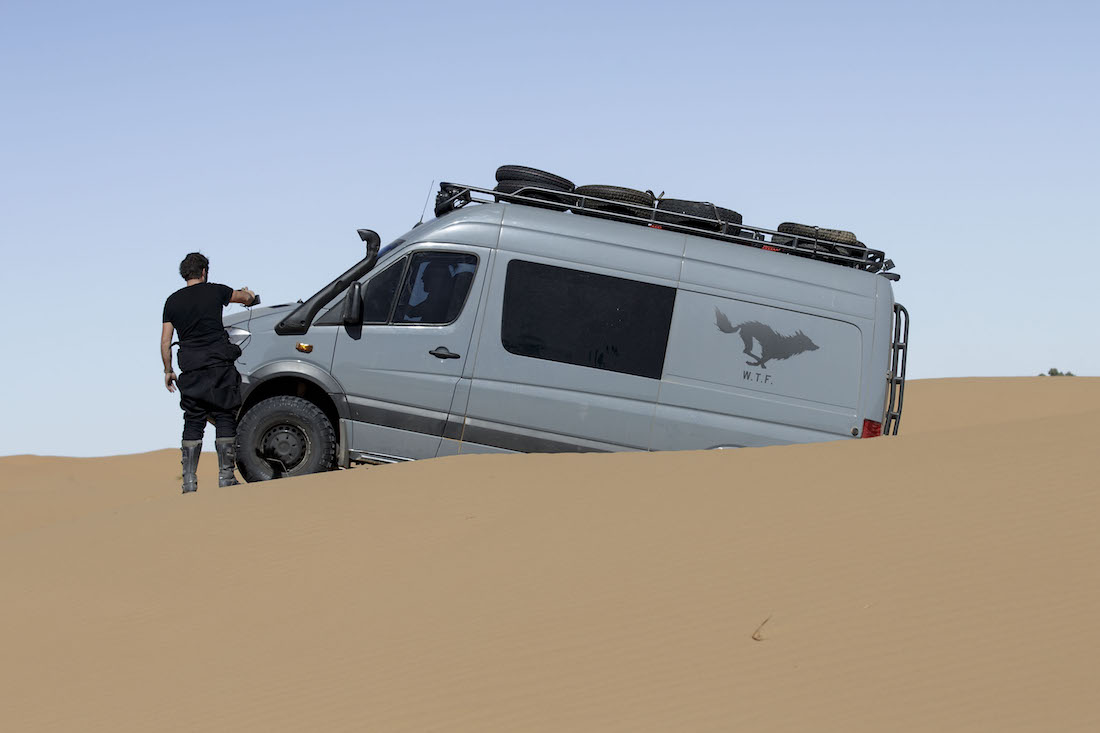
x=829 y=241
x=808 y=232
x=443 y=205
x=566 y=198
x=294 y=421
x=668 y=211
x=533 y=176
x=613 y=193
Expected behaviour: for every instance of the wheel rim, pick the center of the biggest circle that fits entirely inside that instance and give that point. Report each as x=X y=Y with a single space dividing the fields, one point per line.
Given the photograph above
x=285 y=445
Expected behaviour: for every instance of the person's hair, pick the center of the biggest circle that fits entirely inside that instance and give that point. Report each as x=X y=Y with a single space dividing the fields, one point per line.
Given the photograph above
x=192 y=266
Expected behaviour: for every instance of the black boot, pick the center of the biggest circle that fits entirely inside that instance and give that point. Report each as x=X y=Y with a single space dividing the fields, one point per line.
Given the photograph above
x=190 y=450
x=227 y=461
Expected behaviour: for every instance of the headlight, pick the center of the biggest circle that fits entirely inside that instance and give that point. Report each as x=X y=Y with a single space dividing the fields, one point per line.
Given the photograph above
x=238 y=336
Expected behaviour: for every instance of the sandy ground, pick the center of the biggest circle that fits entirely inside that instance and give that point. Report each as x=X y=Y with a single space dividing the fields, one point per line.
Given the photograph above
x=942 y=580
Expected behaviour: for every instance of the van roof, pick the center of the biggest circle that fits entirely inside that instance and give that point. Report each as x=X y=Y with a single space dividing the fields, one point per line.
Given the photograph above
x=481 y=226
x=806 y=244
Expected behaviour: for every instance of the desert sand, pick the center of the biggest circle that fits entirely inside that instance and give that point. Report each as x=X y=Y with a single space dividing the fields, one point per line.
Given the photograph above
x=944 y=579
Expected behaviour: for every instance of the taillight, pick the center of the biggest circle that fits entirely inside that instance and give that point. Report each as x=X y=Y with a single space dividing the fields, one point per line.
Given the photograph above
x=871 y=429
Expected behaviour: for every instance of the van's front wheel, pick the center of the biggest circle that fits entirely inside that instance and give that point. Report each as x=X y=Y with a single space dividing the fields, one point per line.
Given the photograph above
x=284 y=436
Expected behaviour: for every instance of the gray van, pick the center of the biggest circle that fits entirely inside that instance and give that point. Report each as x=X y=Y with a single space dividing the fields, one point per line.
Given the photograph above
x=520 y=322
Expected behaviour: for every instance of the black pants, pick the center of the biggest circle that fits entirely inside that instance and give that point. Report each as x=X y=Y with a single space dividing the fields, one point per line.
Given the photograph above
x=196 y=413
x=210 y=393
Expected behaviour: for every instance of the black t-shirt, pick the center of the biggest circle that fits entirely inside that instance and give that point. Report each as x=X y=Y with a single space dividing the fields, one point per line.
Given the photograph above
x=196 y=313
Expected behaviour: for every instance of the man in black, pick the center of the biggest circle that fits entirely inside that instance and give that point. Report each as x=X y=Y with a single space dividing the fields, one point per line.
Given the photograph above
x=209 y=384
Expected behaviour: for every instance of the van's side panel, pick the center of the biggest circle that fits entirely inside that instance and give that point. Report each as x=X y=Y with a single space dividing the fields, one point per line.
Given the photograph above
x=534 y=405
x=804 y=327
x=530 y=404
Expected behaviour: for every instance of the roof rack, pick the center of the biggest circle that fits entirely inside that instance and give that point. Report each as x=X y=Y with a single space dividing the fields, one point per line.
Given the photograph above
x=453 y=196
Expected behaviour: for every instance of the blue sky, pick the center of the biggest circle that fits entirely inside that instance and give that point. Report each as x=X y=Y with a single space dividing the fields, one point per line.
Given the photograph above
x=959 y=137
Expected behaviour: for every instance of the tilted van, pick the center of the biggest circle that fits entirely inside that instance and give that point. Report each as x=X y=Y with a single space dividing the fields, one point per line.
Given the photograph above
x=511 y=323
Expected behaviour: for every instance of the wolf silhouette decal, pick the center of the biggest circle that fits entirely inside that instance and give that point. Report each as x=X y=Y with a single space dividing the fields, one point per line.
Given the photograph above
x=772 y=344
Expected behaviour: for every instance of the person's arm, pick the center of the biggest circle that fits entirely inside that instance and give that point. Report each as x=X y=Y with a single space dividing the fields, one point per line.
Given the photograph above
x=166 y=331
x=244 y=296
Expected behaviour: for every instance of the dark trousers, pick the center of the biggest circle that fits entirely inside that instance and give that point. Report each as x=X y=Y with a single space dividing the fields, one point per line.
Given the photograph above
x=210 y=388
x=197 y=412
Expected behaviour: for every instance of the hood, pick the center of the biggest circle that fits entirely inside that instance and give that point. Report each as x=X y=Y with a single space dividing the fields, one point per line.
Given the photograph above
x=241 y=317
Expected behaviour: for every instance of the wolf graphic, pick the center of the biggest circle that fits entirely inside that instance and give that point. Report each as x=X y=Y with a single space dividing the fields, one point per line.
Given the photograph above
x=772 y=345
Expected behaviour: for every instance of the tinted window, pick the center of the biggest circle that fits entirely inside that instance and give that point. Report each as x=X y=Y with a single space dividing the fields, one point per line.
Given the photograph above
x=586 y=319
x=378 y=297
x=435 y=288
x=379 y=293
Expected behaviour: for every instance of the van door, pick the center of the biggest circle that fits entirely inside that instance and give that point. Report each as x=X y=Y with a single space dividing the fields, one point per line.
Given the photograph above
x=568 y=360
x=400 y=367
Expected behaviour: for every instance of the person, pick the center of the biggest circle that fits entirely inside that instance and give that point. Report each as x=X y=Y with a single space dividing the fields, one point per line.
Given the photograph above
x=435 y=280
x=209 y=383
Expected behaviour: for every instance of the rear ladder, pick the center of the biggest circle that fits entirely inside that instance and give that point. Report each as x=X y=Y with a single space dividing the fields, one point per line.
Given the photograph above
x=896 y=377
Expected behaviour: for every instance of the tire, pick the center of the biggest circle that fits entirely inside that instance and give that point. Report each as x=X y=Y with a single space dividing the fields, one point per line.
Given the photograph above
x=284 y=436
x=829 y=235
x=565 y=198
x=533 y=176
x=443 y=205
x=614 y=193
x=829 y=241
x=668 y=211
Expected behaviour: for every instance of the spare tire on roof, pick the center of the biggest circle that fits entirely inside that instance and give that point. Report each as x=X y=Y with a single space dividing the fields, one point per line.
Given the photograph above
x=820 y=233
x=540 y=191
x=534 y=176
x=827 y=240
x=641 y=200
x=445 y=200
x=672 y=211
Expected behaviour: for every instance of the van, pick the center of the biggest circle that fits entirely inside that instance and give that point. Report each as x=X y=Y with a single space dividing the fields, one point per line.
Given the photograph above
x=511 y=323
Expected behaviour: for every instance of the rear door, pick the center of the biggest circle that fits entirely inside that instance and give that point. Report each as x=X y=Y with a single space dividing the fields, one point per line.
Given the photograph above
x=400 y=367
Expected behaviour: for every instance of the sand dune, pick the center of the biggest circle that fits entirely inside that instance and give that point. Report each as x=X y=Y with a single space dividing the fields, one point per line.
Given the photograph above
x=943 y=579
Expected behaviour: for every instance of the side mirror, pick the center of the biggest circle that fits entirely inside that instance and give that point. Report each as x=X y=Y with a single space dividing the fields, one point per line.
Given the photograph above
x=353 y=305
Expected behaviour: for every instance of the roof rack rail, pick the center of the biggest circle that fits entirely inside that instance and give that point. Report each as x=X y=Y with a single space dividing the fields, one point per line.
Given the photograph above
x=453 y=196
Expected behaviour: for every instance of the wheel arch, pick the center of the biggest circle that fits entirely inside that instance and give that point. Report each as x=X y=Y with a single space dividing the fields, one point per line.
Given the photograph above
x=297 y=379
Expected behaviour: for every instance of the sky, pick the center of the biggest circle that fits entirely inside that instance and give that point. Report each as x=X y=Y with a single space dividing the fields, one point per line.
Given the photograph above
x=959 y=137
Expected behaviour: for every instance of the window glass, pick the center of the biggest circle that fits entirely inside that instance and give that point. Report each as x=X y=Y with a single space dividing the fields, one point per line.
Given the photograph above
x=435 y=288
x=379 y=292
x=586 y=319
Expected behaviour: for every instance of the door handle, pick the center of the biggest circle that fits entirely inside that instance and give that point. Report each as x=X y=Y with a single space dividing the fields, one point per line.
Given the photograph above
x=442 y=352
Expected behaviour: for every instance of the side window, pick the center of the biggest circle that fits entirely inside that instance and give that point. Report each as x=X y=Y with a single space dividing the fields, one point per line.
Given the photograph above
x=378 y=296
x=379 y=293
x=435 y=288
x=583 y=318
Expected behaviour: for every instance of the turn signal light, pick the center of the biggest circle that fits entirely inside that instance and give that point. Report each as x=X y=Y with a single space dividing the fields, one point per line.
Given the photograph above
x=871 y=429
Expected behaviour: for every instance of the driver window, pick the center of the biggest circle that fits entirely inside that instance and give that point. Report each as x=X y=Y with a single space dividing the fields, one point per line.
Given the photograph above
x=435 y=288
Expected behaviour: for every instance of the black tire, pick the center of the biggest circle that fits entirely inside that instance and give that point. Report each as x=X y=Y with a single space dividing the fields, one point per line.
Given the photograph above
x=533 y=176
x=669 y=211
x=829 y=235
x=614 y=193
x=829 y=241
x=566 y=198
x=443 y=202
x=284 y=436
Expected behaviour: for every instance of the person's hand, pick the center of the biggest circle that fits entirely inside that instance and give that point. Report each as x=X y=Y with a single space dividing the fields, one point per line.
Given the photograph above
x=169 y=378
x=251 y=295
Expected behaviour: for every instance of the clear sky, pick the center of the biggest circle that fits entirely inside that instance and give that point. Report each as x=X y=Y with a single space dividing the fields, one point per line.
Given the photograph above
x=960 y=137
